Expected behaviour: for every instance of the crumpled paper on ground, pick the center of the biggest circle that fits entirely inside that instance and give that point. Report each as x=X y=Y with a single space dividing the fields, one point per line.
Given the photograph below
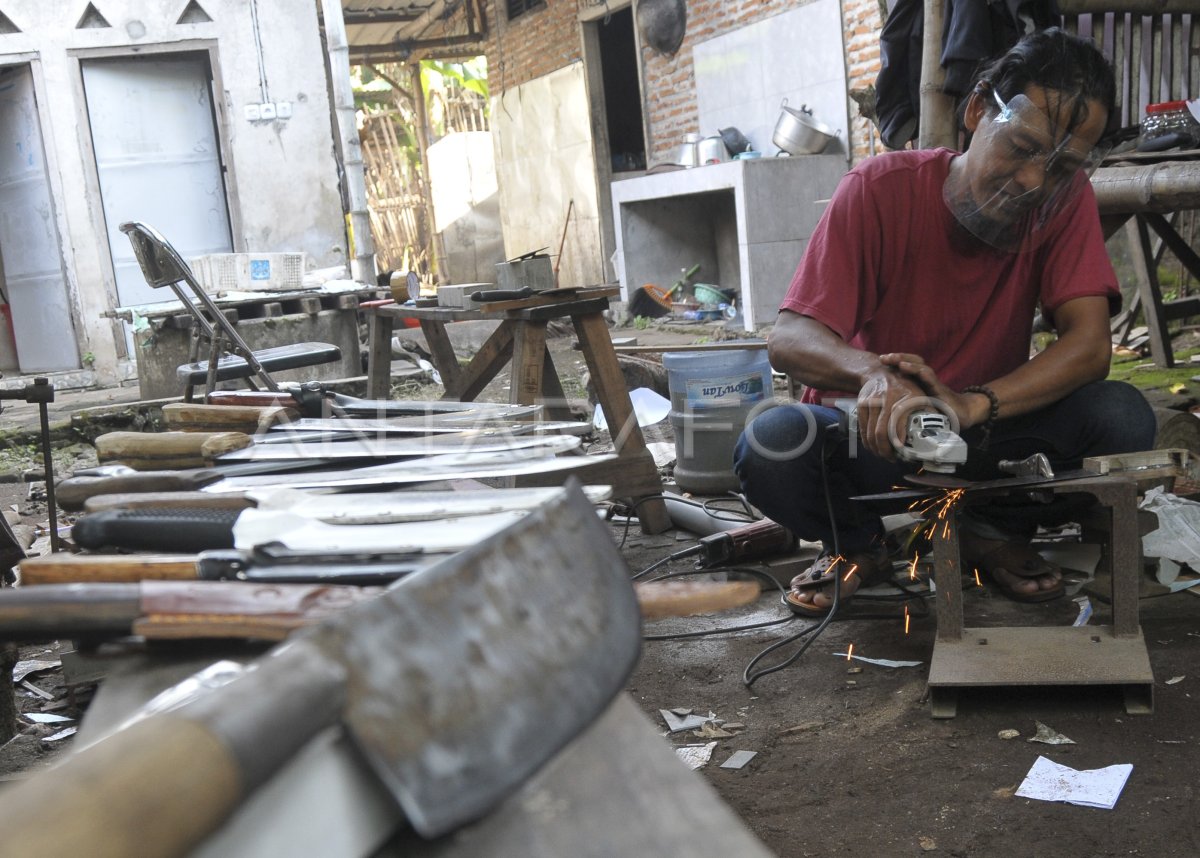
x=1176 y=541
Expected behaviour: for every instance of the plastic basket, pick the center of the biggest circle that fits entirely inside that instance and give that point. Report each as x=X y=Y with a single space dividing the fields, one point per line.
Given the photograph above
x=249 y=272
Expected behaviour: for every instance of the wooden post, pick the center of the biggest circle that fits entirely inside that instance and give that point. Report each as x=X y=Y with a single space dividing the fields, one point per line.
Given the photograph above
x=937 y=109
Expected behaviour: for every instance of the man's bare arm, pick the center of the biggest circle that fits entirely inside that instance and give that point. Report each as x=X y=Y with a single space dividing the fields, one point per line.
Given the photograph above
x=812 y=354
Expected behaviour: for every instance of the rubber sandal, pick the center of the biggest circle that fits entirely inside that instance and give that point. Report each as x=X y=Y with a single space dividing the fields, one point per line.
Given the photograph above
x=1018 y=559
x=872 y=567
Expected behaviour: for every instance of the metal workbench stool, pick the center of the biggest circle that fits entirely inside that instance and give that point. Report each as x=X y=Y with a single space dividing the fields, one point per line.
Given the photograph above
x=1112 y=654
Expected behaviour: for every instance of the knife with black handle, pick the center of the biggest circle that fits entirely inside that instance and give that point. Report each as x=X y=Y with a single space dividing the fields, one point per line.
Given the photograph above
x=182 y=530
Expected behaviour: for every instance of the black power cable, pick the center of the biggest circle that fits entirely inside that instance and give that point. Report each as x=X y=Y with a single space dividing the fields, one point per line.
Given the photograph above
x=748 y=676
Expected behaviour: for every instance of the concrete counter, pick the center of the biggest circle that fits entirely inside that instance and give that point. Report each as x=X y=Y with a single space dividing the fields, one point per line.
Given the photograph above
x=746 y=222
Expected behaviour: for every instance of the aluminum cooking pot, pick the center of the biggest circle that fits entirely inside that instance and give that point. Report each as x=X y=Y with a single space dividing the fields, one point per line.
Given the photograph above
x=798 y=133
x=711 y=150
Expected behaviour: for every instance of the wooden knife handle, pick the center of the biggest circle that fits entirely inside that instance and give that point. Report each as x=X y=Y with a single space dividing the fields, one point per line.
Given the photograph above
x=63 y=568
x=146 y=451
x=155 y=789
x=73 y=492
x=249 y=419
x=660 y=599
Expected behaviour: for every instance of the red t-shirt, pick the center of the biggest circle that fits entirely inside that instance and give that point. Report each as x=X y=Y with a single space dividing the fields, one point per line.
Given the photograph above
x=888 y=269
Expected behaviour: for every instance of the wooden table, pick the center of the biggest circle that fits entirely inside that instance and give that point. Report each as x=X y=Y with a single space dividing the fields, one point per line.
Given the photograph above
x=521 y=339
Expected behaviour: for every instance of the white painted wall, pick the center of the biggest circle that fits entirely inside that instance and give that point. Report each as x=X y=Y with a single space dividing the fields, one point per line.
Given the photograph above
x=466 y=205
x=544 y=160
x=742 y=77
x=281 y=174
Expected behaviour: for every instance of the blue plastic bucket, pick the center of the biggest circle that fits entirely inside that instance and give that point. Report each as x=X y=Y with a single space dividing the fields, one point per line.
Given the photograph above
x=711 y=395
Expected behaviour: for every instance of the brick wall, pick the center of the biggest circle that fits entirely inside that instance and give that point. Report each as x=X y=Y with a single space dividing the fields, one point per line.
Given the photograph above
x=531 y=45
x=861 y=23
x=547 y=38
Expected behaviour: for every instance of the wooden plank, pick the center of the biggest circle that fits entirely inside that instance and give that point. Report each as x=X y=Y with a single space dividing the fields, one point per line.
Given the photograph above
x=627 y=794
x=1136 y=78
x=549 y=297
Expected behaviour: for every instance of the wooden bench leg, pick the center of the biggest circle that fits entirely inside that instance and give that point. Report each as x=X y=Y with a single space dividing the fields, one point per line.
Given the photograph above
x=489 y=360
x=379 y=356
x=443 y=355
x=528 y=363
x=618 y=411
x=1145 y=264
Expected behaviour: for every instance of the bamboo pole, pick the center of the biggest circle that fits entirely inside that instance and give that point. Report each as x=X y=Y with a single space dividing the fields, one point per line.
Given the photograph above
x=362 y=267
x=1162 y=187
x=937 y=109
x=437 y=255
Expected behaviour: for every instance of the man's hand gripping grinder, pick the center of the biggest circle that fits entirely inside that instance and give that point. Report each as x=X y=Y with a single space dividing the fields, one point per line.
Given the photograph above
x=929 y=441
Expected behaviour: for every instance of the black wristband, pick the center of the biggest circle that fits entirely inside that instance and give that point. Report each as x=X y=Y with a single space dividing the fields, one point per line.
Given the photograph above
x=993 y=411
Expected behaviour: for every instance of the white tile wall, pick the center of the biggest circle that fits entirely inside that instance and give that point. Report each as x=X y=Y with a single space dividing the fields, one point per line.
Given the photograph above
x=743 y=76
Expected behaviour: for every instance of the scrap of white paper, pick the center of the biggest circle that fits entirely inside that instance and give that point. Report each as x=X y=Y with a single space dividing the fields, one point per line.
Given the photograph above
x=1167 y=574
x=1048 y=781
x=695 y=756
x=62 y=734
x=648 y=407
x=882 y=662
x=675 y=723
x=1081 y=556
x=46 y=718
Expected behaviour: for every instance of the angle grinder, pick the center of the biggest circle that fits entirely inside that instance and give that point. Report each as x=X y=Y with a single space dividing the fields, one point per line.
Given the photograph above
x=929 y=440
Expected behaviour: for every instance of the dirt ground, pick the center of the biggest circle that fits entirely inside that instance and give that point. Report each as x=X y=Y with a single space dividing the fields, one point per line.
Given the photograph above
x=848 y=760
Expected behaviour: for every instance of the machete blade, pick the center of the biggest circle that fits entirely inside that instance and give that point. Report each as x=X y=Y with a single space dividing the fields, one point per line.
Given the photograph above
x=465 y=677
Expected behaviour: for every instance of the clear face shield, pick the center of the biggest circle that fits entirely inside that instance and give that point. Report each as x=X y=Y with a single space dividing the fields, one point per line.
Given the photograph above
x=1024 y=167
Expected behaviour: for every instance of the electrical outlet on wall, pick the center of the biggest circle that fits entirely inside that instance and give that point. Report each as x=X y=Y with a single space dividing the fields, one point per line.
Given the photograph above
x=266 y=110
x=283 y=110
x=252 y=112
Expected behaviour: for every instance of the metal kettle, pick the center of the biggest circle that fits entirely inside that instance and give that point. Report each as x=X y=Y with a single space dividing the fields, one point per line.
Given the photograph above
x=686 y=157
x=711 y=150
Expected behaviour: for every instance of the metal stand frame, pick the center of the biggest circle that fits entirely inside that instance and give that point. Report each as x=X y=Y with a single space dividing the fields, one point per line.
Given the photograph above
x=1029 y=655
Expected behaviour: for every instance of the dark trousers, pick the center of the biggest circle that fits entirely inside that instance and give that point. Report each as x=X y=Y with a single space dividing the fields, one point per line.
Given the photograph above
x=779 y=459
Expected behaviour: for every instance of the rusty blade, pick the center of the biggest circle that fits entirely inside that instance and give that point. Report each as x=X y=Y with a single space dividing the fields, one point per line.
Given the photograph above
x=464 y=678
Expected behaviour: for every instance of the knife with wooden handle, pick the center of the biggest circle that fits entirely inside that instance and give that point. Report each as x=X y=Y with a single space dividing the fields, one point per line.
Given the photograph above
x=656 y=599
x=194 y=609
x=148 y=451
x=247 y=419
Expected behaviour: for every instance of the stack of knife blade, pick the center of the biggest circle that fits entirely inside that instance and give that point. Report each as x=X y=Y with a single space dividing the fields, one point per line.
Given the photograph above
x=175 y=523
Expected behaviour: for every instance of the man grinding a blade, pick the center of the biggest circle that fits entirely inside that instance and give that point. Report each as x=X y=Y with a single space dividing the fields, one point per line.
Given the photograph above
x=919 y=287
